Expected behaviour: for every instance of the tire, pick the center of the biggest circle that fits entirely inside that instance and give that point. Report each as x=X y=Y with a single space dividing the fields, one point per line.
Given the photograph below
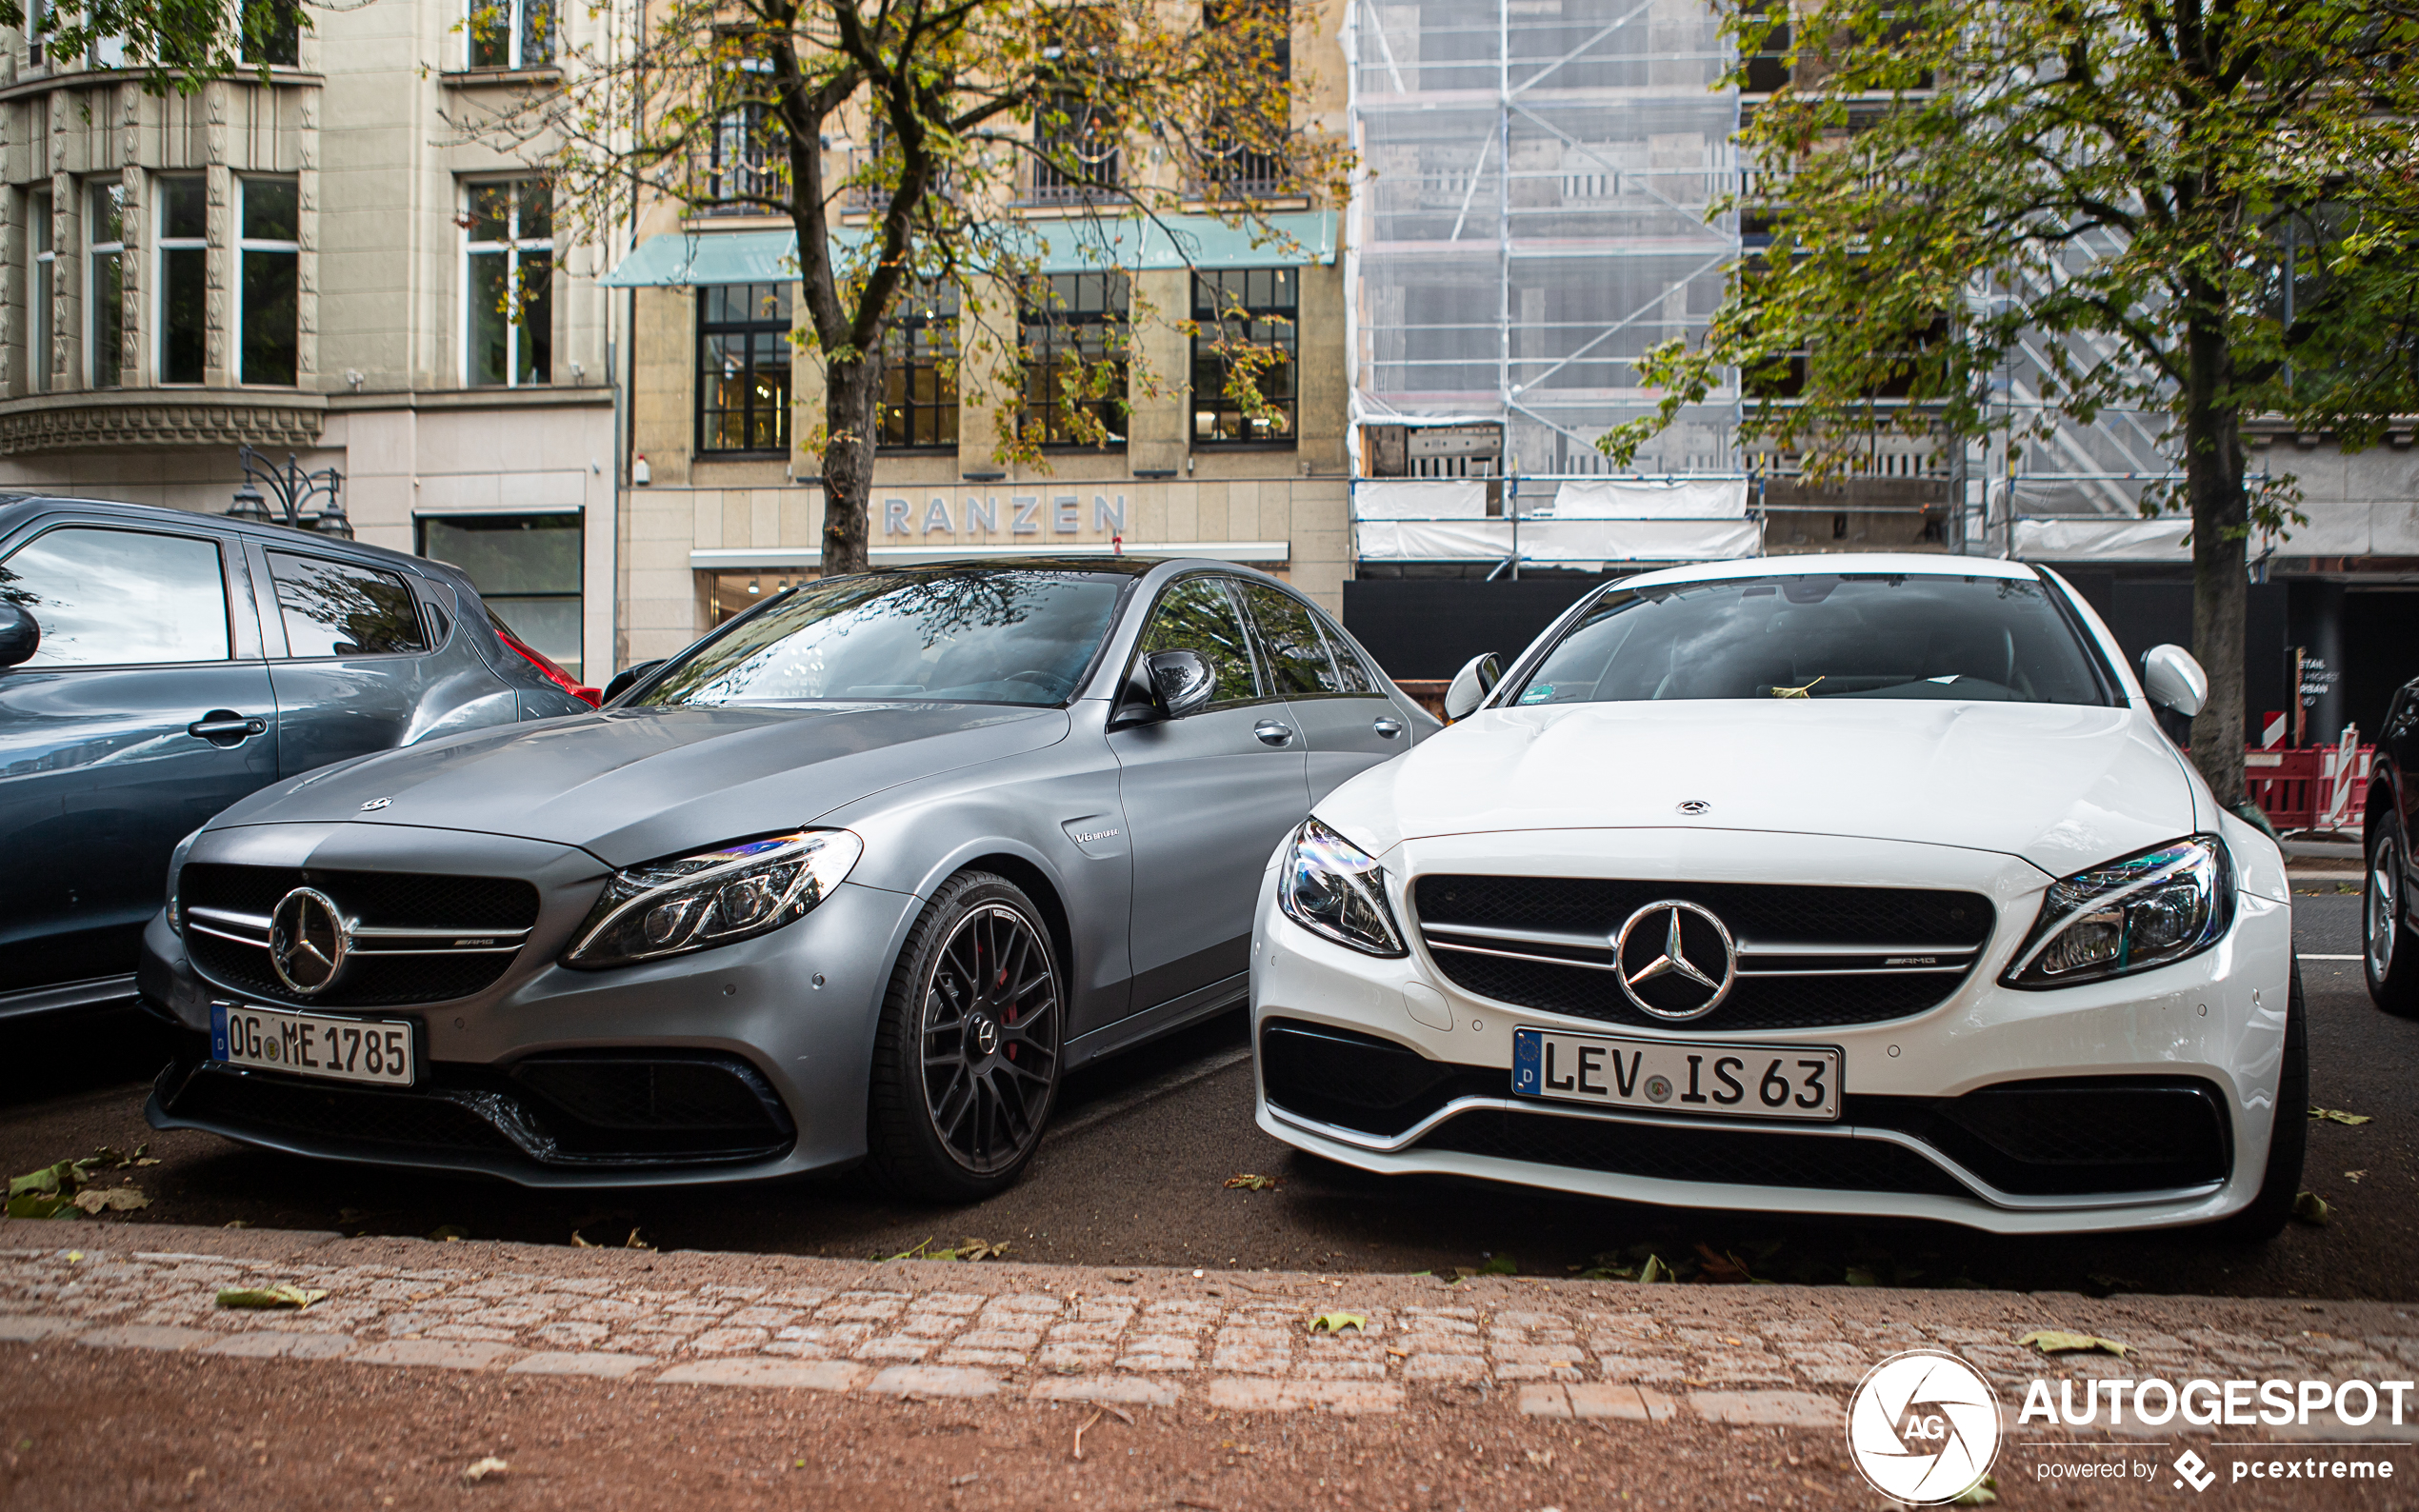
x=966 y=1060
x=2288 y=1138
x=2388 y=950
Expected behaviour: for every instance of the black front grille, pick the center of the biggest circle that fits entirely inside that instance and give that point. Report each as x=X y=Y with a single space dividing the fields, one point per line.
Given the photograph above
x=1729 y=1157
x=609 y=1111
x=1766 y=915
x=1360 y=1081
x=466 y=905
x=2074 y=1135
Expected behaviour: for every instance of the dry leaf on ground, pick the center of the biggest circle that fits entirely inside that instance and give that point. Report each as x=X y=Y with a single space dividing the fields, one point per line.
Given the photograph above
x=1251 y=1183
x=2312 y=1209
x=480 y=1469
x=1335 y=1322
x=2336 y=1115
x=281 y=1295
x=2059 y=1342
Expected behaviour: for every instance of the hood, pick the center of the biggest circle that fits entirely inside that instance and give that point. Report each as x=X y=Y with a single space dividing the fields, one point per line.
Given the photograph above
x=2062 y=787
x=638 y=784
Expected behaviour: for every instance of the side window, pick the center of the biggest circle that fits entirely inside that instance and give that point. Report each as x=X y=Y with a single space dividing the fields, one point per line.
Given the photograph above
x=1290 y=641
x=341 y=608
x=1198 y=615
x=1349 y=668
x=115 y=598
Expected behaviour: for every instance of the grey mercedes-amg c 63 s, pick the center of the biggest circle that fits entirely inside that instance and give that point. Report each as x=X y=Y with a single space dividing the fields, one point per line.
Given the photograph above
x=858 y=876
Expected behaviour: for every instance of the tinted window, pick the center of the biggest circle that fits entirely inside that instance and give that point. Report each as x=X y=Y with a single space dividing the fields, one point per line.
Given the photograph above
x=1993 y=638
x=1353 y=672
x=1296 y=653
x=115 y=597
x=340 y=609
x=1006 y=637
x=1197 y=615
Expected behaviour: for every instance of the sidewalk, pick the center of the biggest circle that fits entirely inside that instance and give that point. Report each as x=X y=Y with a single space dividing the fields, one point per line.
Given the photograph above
x=606 y=1377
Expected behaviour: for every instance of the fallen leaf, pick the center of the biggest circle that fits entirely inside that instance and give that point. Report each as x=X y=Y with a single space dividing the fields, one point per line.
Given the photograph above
x=36 y=1204
x=1335 y=1322
x=1499 y=1265
x=2311 y=1208
x=1984 y=1492
x=1655 y=1270
x=111 y=1198
x=449 y=1233
x=2058 y=1342
x=577 y=1243
x=1725 y=1268
x=285 y=1294
x=2354 y=1177
x=49 y=1180
x=973 y=1249
x=1861 y=1276
x=635 y=1243
x=480 y=1469
x=2338 y=1115
x=1249 y=1183
x=237 y=1223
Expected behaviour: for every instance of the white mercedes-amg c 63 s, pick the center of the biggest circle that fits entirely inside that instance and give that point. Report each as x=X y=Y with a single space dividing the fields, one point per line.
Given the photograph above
x=1850 y=885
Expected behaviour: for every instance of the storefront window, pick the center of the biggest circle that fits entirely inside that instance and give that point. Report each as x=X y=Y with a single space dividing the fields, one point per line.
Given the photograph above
x=527 y=566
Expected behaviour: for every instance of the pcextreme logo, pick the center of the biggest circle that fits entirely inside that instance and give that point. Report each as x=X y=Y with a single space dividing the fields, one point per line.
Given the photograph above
x=1923 y=1428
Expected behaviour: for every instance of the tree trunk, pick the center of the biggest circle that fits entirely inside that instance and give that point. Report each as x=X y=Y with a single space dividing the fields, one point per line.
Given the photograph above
x=852 y=393
x=2221 y=540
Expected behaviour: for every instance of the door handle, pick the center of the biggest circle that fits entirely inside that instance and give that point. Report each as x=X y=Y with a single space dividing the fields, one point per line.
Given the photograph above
x=1388 y=727
x=224 y=727
x=1273 y=733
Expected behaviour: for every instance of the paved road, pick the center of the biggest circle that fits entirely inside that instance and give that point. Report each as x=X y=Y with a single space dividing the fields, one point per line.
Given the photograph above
x=1133 y=1174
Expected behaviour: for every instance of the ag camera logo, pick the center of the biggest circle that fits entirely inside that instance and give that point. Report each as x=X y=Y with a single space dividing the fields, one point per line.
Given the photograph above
x=1923 y=1426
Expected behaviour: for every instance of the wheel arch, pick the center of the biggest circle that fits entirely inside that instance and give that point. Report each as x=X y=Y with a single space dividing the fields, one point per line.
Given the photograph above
x=1037 y=885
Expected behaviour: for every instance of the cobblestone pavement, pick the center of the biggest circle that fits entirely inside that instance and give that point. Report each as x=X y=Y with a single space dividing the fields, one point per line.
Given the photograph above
x=1783 y=1356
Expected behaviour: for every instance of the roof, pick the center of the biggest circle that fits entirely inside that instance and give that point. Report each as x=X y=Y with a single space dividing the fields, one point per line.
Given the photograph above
x=1908 y=564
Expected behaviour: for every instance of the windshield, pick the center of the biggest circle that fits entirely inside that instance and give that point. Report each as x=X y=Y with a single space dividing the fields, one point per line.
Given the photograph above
x=1852 y=636
x=982 y=637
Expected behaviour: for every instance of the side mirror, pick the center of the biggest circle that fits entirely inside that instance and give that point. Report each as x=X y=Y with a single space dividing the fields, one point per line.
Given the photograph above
x=1181 y=682
x=2173 y=680
x=1472 y=685
x=628 y=676
x=20 y=636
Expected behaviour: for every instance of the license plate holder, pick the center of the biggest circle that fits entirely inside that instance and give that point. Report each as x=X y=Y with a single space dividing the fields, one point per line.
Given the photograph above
x=1696 y=1077
x=326 y=1046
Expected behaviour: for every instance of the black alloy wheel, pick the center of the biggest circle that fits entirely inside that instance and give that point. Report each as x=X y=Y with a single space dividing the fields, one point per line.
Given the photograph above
x=965 y=1064
x=2388 y=955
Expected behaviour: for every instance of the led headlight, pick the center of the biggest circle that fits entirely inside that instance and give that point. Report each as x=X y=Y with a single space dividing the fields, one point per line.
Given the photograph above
x=712 y=898
x=2145 y=910
x=1329 y=886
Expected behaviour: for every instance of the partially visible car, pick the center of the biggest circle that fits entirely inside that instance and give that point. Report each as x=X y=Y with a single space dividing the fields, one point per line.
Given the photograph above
x=2389 y=928
x=157 y=665
x=857 y=876
x=1862 y=885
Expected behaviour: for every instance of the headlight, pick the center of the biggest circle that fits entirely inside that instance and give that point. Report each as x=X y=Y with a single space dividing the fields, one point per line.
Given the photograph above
x=175 y=868
x=712 y=898
x=1330 y=888
x=2145 y=910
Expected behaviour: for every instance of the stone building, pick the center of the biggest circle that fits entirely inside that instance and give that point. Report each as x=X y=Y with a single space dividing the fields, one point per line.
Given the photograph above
x=301 y=265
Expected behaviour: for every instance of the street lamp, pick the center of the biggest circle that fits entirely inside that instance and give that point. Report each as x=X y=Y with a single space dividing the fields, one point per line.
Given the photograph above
x=293 y=489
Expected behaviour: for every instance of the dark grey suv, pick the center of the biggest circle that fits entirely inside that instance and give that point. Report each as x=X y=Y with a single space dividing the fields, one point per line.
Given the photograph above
x=156 y=665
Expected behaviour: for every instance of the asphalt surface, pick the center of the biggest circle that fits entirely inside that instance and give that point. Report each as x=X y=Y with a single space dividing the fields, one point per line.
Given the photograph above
x=1134 y=1171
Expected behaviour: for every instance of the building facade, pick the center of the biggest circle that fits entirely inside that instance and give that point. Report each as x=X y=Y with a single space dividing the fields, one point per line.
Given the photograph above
x=316 y=264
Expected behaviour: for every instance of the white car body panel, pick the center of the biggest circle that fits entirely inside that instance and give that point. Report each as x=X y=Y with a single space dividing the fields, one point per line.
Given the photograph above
x=1994 y=798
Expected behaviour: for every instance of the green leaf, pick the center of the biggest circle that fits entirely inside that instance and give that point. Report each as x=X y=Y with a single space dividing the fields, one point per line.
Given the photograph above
x=1655 y=1270
x=285 y=1294
x=38 y=1204
x=49 y=1179
x=2058 y=1342
x=1249 y=1183
x=1335 y=1322
x=2336 y=1115
x=1500 y=1265
x=2312 y=1209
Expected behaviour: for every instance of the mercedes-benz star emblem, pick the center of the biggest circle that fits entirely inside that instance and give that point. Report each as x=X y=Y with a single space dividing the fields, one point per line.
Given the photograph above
x=1694 y=807
x=986 y=1036
x=308 y=940
x=374 y=805
x=1676 y=960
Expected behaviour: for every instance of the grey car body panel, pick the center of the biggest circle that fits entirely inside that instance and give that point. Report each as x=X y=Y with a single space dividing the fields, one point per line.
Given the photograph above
x=1046 y=795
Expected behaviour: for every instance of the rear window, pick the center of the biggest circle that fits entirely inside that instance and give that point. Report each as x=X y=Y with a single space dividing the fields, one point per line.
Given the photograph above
x=343 y=609
x=1999 y=640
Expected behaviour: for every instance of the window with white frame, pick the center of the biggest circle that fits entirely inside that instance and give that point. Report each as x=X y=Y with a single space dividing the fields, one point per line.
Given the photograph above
x=269 y=253
x=104 y=285
x=46 y=294
x=507 y=283
x=183 y=278
x=511 y=34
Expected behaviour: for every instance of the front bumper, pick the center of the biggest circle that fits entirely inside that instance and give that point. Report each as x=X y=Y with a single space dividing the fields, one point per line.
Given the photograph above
x=743 y=1062
x=2199 y=1041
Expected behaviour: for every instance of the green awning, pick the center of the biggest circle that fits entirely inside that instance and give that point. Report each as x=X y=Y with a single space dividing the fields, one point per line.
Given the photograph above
x=1072 y=246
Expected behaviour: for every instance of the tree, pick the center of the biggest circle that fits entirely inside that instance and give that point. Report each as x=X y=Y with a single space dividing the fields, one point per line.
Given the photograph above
x=177 y=44
x=2203 y=208
x=896 y=134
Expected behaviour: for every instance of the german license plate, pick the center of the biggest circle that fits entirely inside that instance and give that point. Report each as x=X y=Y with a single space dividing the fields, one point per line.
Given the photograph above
x=1669 y=1076
x=376 y=1050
